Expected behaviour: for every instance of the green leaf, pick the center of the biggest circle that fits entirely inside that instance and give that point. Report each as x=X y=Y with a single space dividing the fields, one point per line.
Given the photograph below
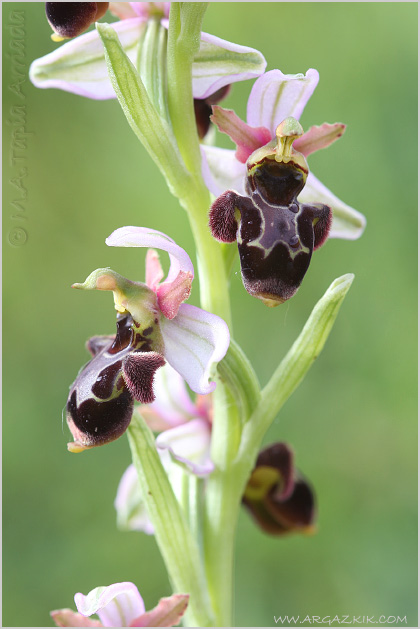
x=178 y=547
x=293 y=368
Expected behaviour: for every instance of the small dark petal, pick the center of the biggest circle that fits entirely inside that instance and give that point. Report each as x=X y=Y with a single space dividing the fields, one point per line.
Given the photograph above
x=223 y=224
x=139 y=371
x=202 y=112
x=216 y=97
x=280 y=457
x=298 y=511
x=263 y=518
x=278 y=501
x=69 y=19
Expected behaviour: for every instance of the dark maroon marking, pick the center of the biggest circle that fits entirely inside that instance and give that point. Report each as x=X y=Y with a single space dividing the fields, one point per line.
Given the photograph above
x=99 y=422
x=106 y=380
x=125 y=335
x=148 y=331
x=277 y=183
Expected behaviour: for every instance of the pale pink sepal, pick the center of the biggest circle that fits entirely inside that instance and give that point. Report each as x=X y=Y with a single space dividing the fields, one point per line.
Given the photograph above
x=177 y=286
x=347 y=223
x=247 y=139
x=167 y=613
x=123 y=10
x=116 y=605
x=129 y=505
x=319 y=137
x=69 y=618
x=172 y=294
x=154 y=271
x=194 y=340
x=275 y=96
x=79 y=65
x=189 y=444
x=172 y=406
x=144 y=10
x=221 y=170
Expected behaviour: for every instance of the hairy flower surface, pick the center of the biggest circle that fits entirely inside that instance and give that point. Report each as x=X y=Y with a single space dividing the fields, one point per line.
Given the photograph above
x=274 y=97
x=184 y=440
x=153 y=325
x=121 y=605
x=79 y=66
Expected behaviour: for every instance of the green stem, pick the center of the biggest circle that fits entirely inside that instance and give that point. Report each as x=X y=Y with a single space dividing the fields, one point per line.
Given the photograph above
x=183 y=43
x=178 y=547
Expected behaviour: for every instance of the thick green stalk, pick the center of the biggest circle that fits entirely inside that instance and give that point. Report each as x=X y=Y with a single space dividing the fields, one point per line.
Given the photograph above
x=178 y=547
x=184 y=36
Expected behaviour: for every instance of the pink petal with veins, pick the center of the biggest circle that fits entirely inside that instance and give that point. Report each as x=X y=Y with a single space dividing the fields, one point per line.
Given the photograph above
x=246 y=138
x=319 y=137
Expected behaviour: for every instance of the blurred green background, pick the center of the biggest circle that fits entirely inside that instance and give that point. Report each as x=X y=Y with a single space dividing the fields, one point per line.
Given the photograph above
x=352 y=423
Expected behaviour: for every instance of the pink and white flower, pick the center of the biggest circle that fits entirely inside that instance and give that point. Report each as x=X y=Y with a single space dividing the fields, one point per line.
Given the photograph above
x=274 y=97
x=121 y=605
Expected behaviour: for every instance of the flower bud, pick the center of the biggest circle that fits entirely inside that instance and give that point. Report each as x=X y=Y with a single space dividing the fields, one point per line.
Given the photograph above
x=279 y=501
x=69 y=19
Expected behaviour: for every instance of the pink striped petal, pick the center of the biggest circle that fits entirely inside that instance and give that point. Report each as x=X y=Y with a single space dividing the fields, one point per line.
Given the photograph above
x=148 y=9
x=167 y=613
x=189 y=445
x=194 y=341
x=123 y=10
x=246 y=138
x=116 y=605
x=69 y=618
x=319 y=137
x=154 y=271
x=177 y=285
x=129 y=504
x=275 y=96
x=172 y=406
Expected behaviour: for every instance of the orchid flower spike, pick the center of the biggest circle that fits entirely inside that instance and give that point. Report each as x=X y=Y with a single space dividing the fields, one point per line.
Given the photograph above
x=121 y=605
x=279 y=500
x=153 y=326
